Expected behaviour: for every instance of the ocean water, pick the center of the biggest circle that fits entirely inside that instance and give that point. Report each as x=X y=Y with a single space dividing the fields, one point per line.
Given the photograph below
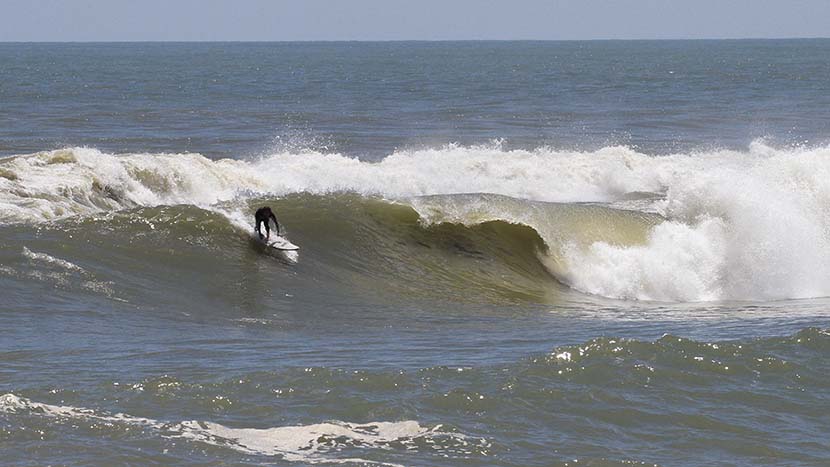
x=511 y=254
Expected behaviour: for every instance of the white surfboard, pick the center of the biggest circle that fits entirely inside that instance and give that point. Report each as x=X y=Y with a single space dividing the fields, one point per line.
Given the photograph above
x=282 y=243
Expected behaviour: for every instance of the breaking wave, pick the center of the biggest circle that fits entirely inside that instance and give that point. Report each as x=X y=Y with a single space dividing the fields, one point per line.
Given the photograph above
x=718 y=225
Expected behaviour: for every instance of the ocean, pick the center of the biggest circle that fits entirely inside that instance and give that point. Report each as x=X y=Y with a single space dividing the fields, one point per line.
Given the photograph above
x=602 y=253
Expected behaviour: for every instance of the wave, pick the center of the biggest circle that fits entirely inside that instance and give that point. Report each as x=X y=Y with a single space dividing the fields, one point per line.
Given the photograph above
x=718 y=225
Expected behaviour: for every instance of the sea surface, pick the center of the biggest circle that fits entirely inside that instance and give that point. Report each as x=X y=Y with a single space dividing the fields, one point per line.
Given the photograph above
x=511 y=254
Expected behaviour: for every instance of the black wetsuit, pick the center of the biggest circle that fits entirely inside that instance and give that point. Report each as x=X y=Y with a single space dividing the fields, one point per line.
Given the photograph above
x=262 y=216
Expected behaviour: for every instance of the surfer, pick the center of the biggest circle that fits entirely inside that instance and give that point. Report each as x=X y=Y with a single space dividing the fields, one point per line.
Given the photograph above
x=263 y=216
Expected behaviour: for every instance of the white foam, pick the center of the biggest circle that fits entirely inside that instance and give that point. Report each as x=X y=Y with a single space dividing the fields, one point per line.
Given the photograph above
x=311 y=444
x=43 y=257
x=753 y=228
x=678 y=263
x=69 y=182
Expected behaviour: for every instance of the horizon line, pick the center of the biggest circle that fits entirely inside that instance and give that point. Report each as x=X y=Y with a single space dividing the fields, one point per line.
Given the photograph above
x=186 y=41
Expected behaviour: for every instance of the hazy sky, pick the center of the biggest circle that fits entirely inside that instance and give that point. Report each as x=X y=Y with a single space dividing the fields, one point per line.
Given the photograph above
x=244 y=20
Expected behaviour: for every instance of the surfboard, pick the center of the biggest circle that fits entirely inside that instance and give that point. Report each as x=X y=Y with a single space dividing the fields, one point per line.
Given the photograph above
x=282 y=243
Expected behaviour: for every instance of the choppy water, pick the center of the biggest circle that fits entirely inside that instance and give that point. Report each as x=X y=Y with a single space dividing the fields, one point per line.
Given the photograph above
x=513 y=254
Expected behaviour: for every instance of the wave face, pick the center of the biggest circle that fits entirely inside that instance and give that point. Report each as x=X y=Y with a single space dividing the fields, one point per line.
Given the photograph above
x=718 y=225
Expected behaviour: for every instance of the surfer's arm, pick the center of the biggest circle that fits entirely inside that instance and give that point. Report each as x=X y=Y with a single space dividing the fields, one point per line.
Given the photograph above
x=276 y=223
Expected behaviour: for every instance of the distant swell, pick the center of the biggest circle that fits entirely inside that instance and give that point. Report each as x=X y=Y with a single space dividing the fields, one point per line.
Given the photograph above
x=751 y=225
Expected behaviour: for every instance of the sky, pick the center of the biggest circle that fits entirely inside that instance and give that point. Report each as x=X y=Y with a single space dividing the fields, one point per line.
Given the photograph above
x=301 y=20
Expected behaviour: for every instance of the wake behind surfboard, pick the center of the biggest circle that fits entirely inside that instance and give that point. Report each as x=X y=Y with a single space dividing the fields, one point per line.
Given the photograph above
x=281 y=243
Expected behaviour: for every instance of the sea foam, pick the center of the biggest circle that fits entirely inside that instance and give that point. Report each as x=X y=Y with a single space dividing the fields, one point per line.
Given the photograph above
x=309 y=444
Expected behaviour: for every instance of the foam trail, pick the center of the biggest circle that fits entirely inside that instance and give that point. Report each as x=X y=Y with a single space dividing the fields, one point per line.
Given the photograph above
x=61 y=272
x=43 y=257
x=312 y=444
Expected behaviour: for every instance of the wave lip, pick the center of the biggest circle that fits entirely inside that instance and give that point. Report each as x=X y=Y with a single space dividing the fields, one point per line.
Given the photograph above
x=82 y=181
x=78 y=181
